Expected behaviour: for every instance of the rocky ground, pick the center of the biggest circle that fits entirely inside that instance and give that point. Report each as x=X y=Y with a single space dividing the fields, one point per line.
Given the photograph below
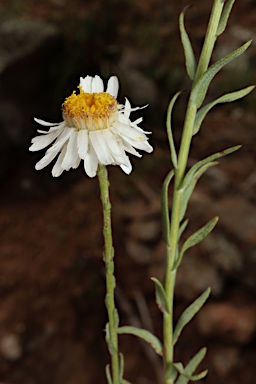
x=52 y=275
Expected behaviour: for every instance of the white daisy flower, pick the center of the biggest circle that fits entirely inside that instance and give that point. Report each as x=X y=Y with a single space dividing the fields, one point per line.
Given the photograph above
x=96 y=129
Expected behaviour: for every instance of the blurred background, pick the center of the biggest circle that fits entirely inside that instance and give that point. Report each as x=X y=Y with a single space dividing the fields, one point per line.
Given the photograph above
x=51 y=271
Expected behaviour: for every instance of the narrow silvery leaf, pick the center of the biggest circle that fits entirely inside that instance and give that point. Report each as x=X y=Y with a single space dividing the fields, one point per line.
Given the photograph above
x=229 y=97
x=182 y=228
x=201 y=86
x=183 y=373
x=161 y=299
x=188 y=50
x=192 y=366
x=143 y=334
x=121 y=366
x=165 y=207
x=169 y=129
x=171 y=372
x=189 y=186
x=225 y=16
x=195 y=173
x=189 y=313
x=196 y=238
x=110 y=345
x=189 y=176
x=108 y=375
x=116 y=318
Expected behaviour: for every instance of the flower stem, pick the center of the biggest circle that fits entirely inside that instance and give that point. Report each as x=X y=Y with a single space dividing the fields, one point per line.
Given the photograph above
x=111 y=327
x=172 y=247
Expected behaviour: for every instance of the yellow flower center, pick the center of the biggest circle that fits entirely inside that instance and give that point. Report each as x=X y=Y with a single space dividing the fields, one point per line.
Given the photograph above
x=89 y=110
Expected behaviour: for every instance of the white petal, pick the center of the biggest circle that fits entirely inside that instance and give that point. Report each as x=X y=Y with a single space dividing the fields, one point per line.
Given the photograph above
x=71 y=154
x=86 y=84
x=77 y=162
x=127 y=108
x=40 y=142
x=143 y=145
x=97 y=85
x=42 y=122
x=116 y=148
x=98 y=141
x=126 y=169
x=129 y=148
x=82 y=142
x=112 y=87
x=125 y=130
x=135 y=126
x=137 y=121
x=57 y=169
x=132 y=136
x=64 y=136
x=91 y=162
x=49 y=156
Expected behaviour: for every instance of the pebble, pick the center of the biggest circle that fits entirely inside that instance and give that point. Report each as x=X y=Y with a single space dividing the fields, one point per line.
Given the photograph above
x=227 y=321
x=196 y=274
x=10 y=347
x=140 y=253
x=149 y=230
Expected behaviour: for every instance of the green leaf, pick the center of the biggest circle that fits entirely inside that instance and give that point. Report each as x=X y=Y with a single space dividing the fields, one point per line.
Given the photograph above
x=189 y=185
x=196 y=238
x=110 y=345
x=161 y=299
x=108 y=374
x=169 y=129
x=188 y=50
x=225 y=16
x=165 y=206
x=196 y=172
x=170 y=372
x=189 y=313
x=143 y=334
x=121 y=366
x=183 y=373
x=182 y=228
x=193 y=170
x=229 y=97
x=116 y=318
x=192 y=366
x=202 y=84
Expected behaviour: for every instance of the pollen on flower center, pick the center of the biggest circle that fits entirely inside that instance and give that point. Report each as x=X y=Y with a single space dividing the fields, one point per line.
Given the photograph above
x=89 y=110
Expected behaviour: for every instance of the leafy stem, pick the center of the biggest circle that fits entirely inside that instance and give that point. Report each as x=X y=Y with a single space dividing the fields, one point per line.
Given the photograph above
x=210 y=37
x=111 y=327
x=179 y=173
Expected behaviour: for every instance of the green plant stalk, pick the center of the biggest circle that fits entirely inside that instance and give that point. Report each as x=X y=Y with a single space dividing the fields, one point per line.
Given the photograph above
x=172 y=246
x=110 y=278
x=210 y=38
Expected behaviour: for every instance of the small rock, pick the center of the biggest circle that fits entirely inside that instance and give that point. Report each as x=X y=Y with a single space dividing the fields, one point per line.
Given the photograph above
x=195 y=275
x=139 y=252
x=145 y=230
x=10 y=346
x=227 y=321
x=224 y=254
x=224 y=358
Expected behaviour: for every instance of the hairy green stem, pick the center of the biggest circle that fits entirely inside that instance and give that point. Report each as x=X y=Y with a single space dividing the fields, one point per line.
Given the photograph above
x=172 y=247
x=210 y=38
x=111 y=328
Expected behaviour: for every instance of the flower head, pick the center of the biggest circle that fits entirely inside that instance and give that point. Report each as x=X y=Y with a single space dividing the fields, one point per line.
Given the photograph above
x=96 y=129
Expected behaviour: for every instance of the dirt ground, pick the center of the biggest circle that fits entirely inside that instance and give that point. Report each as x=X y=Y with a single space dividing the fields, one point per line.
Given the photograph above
x=52 y=287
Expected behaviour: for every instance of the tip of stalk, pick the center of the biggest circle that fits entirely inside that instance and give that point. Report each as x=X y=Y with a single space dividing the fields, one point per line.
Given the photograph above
x=187 y=7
